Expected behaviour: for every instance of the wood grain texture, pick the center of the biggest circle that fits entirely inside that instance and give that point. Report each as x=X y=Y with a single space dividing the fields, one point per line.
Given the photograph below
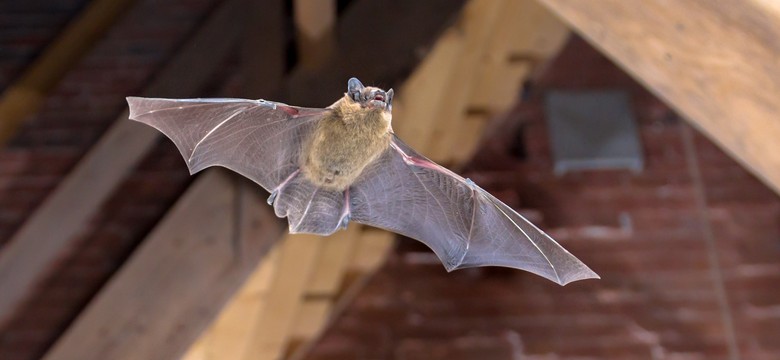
x=172 y=287
x=297 y=259
x=715 y=62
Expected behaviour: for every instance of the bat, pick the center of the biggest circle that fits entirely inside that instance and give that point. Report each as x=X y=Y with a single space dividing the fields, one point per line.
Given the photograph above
x=327 y=167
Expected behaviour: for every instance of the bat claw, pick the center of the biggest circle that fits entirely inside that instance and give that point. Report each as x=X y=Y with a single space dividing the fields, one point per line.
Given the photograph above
x=281 y=186
x=271 y=198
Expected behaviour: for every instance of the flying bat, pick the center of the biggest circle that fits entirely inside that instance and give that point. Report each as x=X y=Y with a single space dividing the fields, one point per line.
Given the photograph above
x=327 y=167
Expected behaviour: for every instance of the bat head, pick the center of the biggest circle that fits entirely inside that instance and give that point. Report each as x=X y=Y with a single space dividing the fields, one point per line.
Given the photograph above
x=369 y=96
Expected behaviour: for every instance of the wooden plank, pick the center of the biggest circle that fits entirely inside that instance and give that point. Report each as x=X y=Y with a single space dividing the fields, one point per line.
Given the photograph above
x=372 y=250
x=523 y=35
x=715 y=62
x=425 y=92
x=311 y=317
x=336 y=253
x=48 y=233
x=228 y=336
x=324 y=287
x=25 y=96
x=297 y=258
x=315 y=22
x=176 y=282
x=478 y=23
x=469 y=136
x=529 y=35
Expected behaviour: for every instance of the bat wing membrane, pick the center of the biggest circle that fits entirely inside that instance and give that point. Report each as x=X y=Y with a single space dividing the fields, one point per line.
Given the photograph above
x=464 y=225
x=259 y=139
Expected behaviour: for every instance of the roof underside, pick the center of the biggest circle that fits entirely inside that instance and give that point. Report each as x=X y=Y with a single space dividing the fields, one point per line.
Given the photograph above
x=687 y=248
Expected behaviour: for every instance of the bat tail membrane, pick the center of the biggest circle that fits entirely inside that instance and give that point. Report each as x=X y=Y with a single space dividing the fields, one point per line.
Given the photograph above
x=309 y=208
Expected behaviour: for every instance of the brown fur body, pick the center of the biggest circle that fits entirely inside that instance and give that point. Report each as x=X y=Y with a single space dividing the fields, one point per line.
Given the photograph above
x=346 y=140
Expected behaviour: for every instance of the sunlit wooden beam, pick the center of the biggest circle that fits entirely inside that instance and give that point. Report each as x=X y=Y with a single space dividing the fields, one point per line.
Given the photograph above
x=185 y=271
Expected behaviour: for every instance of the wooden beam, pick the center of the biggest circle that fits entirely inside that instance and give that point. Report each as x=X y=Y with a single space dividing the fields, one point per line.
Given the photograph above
x=370 y=252
x=425 y=92
x=228 y=336
x=714 y=62
x=315 y=22
x=324 y=287
x=48 y=233
x=26 y=95
x=200 y=254
x=527 y=37
x=477 y=24
x=298 y=255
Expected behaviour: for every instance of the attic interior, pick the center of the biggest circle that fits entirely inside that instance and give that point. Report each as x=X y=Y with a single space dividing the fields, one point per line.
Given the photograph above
x=639 y=135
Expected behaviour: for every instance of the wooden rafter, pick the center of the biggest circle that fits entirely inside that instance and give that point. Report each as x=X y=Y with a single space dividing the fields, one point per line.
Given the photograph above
x=715 y=62
x=199 y=255
x=473 y=74
x=26 y=95
x=315 y=25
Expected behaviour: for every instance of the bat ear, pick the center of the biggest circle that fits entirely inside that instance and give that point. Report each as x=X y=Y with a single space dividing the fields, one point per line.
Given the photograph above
x=354 y=86
x=390 y=96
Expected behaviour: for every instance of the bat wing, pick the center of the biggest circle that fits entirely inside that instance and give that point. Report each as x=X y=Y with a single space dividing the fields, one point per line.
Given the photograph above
x=258 y=139
x=465 y=226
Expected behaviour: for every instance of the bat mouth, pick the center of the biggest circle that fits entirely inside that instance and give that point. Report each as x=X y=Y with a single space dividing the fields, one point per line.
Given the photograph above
x=376 y=103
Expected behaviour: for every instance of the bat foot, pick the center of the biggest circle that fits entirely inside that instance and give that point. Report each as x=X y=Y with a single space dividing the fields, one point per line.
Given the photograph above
x=346 y=214
x=344 y=222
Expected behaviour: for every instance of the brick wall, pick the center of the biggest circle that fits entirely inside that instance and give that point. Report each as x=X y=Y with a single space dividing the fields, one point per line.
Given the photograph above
x=679 y=280
x=26 y=27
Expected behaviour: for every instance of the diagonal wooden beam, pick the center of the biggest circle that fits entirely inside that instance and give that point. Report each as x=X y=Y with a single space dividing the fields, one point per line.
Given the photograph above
x=25 y=96
x=315 y=22
x=200 y=254
x=48 y=233
x=716 y=62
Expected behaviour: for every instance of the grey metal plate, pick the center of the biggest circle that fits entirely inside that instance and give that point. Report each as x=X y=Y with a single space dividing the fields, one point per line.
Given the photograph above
x=593 y=130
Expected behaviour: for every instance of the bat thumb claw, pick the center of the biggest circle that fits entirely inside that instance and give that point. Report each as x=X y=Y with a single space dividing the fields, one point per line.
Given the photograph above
x=271 y=198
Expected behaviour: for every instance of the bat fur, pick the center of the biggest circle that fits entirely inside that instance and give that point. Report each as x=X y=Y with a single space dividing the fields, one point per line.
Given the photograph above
x=346 y=140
